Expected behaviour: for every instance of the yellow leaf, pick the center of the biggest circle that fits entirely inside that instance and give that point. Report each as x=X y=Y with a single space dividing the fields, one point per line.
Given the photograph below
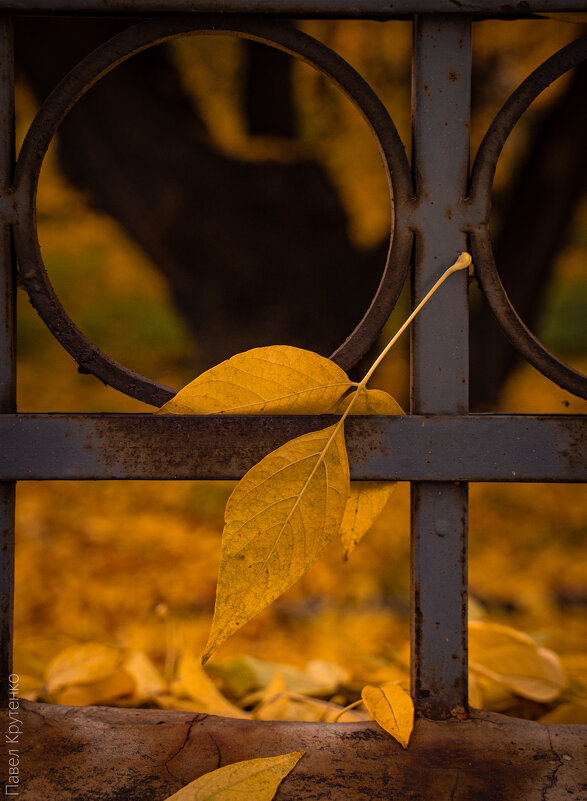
x=287 y=706
x=276 y=686
x=570 y=712
x=110 y=690
x=512 y=659
x=81 y=664
x=194 y=682
x=29 y=687
x=327 y=676
x=148 y=681
x=366 y=502
x=253 y=779
x=283 y=705
x=370 y=401
x=475 y=692
x=280 y=517
x=274 y=380
x=392 y=708
x=367 y=499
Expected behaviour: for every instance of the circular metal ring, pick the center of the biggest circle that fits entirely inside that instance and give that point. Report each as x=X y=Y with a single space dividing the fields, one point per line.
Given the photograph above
x=107 y=57
x=481 y=184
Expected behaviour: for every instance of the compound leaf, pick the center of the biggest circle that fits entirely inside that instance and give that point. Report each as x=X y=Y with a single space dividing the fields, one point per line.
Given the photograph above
x=256 y=779
x=278 y=379
x=279 y=519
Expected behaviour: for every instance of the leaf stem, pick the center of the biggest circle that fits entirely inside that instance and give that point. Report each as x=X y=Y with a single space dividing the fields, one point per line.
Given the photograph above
x=461 y=263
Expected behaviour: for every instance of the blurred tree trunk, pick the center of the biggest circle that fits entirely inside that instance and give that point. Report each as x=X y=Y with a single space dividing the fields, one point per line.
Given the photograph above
x=535 y=220
x=254 y=252
x=258 y=252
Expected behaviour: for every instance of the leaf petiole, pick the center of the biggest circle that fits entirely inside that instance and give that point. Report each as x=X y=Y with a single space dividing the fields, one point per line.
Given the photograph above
x=462 y=263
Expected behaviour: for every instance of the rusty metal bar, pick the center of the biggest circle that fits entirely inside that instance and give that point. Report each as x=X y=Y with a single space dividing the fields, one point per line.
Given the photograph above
x=440 y=118
x=7 y=352
x=375 y=9
x=420 y=448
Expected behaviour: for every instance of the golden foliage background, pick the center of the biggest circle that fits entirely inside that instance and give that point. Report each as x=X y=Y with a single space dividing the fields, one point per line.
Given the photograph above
x=134 y=564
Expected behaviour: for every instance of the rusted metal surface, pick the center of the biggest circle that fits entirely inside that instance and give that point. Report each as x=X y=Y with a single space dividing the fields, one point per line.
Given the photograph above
x=350 y=9
x=432 y=448
x=480 y=195
x=100 y=62
x=7 y=351
x=441 y=91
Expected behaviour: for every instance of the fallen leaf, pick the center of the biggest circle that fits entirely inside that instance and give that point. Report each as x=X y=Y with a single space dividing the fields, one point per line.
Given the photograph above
x=29 y=687
x=253 y=779
x=280 y=518
x=81 y=664
x=569 y=712
x=283 y=705
x=392 y=708
x=108 y=691
x=367 y=499
x=327 y=677
x=278 y=379
x=194 y=682
x=511 y=658
x=148 y=681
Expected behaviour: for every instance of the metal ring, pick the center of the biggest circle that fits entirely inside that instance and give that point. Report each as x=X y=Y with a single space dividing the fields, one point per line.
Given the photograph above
x=103 y=60
x=481 y=185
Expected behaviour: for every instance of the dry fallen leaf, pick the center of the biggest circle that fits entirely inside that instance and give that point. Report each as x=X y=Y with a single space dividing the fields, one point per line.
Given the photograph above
x=194 y=682
x=392 y=708
x=81 y=664
x=251 y=780
x=113 y=689
x=512 y=659
x=280 y=518
x=278 y=379
x=148 y=681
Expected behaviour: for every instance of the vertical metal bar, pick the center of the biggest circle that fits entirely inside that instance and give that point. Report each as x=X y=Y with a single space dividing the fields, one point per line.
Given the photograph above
x=7 y=347
x=441 y=113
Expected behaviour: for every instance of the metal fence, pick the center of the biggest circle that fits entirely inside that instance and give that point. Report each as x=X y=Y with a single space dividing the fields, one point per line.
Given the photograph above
x=440 y=211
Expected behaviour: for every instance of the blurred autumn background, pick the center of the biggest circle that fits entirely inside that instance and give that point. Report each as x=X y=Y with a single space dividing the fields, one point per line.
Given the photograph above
x=213 y=195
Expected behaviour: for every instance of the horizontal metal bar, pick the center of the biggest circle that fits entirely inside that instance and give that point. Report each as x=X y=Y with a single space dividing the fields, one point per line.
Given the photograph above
x=378 y=9
x=548 y=448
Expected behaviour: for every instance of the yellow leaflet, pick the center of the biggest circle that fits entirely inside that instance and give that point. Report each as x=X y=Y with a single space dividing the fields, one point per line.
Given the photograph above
x=280 y=517
x=513 y=660
x=367 y=499
x=392 y=708
x=366 y=502
x=197 y=685
x=274 y=380
x=255 y=779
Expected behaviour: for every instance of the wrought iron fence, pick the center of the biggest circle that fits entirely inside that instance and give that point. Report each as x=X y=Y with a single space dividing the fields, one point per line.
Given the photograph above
x=440 y=211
